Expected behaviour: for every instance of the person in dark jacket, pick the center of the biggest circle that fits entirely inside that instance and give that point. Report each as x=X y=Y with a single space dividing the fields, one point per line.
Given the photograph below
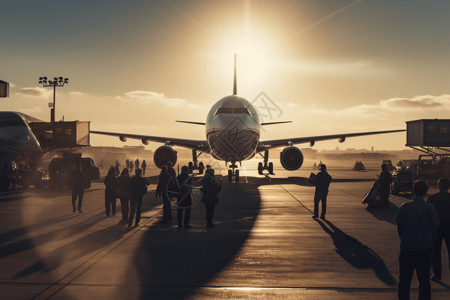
x=322 y=183
x=417 y=222
x=123 y=192
x=184 y=200
x=210 y=190
x=110 y=192
x=78 y=181
x=138 y=189
x=385 y=179
x=162 y=190
x=136 y=163
x=441 y=202
x=143 y=167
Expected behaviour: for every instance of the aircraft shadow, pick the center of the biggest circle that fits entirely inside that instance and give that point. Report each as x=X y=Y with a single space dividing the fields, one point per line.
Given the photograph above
x=189 y=258
x=357 y=254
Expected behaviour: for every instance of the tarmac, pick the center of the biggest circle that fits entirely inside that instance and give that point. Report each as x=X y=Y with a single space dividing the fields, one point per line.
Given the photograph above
x=265 y=245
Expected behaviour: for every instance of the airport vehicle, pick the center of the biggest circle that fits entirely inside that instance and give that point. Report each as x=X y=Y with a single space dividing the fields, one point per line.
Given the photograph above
x=25 y=140
x=402 y=181
x=233 y=129
x=60 y=169
x=359 y=166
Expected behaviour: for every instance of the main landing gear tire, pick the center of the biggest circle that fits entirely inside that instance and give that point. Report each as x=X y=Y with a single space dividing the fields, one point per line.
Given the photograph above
x=236 y=175
x=230 y=175
x=270 y=169
x=260 y=168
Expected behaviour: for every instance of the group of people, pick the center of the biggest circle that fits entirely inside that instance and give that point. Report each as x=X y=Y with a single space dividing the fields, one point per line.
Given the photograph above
x=180 y=187
x=130 y=165
x=421 y=225
x=130 y=191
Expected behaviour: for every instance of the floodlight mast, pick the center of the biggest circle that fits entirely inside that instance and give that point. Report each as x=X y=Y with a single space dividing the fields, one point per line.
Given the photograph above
x=56 y=82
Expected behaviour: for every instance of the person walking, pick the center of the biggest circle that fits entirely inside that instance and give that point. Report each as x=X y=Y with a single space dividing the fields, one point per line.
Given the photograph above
x=322 y=183
x=78 y=180
x=162 y=190
x=184 y=201
x=136 y=163
x=417 y=222
x=385 y=180
x=143 y=166
x=123 y=192
x=210 y=190
x=138 y=189
x=110 y=192
x=441 y=202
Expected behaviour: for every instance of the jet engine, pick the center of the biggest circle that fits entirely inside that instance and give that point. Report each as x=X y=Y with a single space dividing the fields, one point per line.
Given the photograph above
x=163 y=155
x=291 y=158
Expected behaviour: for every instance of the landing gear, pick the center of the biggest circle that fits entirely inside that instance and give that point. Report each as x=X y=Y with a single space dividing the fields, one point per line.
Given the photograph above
x=233 y=172
x=194 y=165
x=267 y=166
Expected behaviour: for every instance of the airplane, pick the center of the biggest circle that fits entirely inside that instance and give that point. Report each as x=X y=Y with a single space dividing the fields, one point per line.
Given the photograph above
x=233 y=128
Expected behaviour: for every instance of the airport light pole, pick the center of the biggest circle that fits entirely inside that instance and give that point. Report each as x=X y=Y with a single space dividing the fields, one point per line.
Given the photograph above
x=56 y=82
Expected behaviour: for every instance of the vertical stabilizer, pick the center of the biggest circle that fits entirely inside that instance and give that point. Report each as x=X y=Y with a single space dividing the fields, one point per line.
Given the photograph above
x=234 y=81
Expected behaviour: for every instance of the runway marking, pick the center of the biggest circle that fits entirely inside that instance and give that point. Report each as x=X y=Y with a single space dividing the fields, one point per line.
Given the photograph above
x=296 y=199
x=83 y=267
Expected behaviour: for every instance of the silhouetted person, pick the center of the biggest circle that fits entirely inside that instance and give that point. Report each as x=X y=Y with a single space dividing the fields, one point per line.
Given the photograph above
x=210 y=190
x=184 y=200
x=136 y=163
x=162 y=190
x=110 y=192
x=417 y=222
x=385 y=185
x=138 y=189
x=143 y=166
x=78 y=181
x=441 y=201
x=322 y=183
x=116 y=168
x=123 y=192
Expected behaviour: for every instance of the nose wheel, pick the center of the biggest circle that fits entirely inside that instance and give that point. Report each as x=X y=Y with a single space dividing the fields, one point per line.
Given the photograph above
x=233 y=173
x=194 y=164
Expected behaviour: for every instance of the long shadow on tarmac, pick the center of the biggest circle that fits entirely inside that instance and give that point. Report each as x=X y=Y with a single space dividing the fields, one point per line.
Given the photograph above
x=357 y=254
x=170 y=258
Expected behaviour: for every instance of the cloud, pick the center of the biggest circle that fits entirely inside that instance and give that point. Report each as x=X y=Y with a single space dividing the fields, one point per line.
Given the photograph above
x=77 y=93
x=151 y=97
x=418 y=102
x=35 y=92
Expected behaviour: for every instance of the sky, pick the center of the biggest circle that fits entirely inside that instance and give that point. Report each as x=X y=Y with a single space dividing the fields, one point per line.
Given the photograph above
x=330 y=66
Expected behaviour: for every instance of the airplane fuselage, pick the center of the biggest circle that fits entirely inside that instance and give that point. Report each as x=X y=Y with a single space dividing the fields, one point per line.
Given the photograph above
x=233 y=129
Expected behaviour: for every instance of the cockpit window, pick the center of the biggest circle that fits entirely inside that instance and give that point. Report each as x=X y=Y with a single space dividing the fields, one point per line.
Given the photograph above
x=11 y=122
x=230 y=110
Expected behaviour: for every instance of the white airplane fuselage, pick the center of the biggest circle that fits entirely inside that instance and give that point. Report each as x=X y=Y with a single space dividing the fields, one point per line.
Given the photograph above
x=233 y=129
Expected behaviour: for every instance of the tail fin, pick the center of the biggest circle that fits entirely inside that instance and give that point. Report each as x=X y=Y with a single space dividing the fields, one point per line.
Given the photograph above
x=234 y=82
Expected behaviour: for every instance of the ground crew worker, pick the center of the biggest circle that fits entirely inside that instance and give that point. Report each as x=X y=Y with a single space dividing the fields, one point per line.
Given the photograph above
x=184 y=201
x=441 y=202
x=210 y=190
x=123 y=192
x=138 y=190
x=385 y=180
x=143 y=166
x=136 y=163
x=78 y=181
x=162 y=190
x=322 y=183
x=417 y=222
x=110 y=192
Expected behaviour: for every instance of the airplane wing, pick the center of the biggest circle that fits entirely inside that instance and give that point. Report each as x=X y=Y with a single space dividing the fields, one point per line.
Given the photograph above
x=269 y=144
x=190 y=144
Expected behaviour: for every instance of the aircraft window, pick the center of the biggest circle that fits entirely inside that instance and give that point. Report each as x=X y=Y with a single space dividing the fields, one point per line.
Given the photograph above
x=230 y=110
x=10 y=122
